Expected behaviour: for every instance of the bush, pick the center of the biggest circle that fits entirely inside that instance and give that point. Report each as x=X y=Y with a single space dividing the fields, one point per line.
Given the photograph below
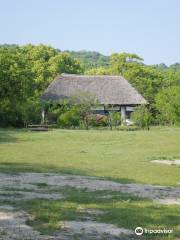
x=142 y=117
x=71 y=118
x=97 y=120
x=114 y=119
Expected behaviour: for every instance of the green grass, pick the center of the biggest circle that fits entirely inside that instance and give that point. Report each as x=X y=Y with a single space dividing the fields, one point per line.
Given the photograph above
x=123 y=210
x=119 y=155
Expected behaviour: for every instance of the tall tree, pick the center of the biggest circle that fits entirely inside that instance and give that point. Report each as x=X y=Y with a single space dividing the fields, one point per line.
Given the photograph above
x=168 y=104
x=25 y=72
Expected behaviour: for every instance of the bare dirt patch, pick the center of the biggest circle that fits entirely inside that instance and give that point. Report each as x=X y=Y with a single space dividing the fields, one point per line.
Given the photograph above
x=92 y=230
x=23 y=195
x=25 y=186
x=13 y=225
x=167 y=162
x=25 y=182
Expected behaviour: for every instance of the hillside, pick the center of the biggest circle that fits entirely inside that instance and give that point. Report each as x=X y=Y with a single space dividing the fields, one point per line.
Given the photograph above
x=90 y=59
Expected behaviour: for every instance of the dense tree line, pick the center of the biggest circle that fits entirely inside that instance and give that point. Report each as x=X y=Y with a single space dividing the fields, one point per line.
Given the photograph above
x=159 y=86
x=26 y=71
x=90 y=59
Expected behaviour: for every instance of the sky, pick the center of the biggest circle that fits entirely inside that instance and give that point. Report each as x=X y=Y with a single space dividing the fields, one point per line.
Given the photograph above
x=149 y=28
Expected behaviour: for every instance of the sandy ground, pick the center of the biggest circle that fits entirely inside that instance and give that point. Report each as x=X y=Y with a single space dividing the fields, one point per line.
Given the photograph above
x=24 y=186
x=167 y=162
x=13 y=227
x=27 y=195
x=94 y=229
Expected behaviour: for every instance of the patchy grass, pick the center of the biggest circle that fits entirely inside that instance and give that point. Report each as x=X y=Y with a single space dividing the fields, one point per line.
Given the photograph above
x=117 y=155
x=123 y=210
x=41 y=185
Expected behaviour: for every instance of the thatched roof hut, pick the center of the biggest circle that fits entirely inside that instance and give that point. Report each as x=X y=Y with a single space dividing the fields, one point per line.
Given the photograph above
x=109 y=90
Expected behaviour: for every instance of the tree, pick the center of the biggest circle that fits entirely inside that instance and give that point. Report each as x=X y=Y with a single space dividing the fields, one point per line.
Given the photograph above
x=78 y=109
x=168 y=104
x=85 y=102
x=90 y=59
x=25 y=72
x=15 y=85
x=120 y=63
x=64 y=63
x=98 y=71
x=146 y=79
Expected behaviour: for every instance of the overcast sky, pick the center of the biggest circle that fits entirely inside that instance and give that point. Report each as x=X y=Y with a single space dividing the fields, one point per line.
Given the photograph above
x=149 y=28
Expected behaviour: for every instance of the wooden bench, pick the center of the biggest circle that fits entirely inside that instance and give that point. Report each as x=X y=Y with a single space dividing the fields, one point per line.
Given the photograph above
x=38 y=127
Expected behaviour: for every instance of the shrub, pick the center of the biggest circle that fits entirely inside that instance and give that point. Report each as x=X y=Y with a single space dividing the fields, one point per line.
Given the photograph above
x=114 y=119
x=142 y=117
x=97 y=120
x=71 y=118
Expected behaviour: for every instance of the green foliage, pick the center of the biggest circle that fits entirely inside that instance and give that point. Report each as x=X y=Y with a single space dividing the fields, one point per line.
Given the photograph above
x=122 y=209
x=121 y=62
x=114 y=119
x=98 y=120
x=63 y=63
x=84 y=102
x=31 y=111
x=25 y=72
x=175 y=66
x=90 y=59
x=98 y=71
x=168 y=104
x=77 y=110
x=15 y=85
x=141 y=117
x=161 y=66
x=70 y=118
x=148 y=80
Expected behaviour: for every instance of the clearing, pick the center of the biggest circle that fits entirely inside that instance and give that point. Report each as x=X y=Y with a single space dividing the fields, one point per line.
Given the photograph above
x=67 y=184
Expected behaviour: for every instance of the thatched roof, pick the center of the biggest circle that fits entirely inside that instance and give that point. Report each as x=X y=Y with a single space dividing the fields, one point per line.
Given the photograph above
x=107 y=89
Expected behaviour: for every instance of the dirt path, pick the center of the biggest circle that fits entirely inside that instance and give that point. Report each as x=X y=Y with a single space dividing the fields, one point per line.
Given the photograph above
x=17 y=186
x=13 y=227
x=24 y=186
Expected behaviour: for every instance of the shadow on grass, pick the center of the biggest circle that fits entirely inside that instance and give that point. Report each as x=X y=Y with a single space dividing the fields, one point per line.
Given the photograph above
x=10 y=167
x=122 y=210
x=7 y=136
x=151 y=218
x=139 y=215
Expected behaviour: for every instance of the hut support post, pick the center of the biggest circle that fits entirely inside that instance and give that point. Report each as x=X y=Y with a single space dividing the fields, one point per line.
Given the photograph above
x=123 y=114
x=42 y=116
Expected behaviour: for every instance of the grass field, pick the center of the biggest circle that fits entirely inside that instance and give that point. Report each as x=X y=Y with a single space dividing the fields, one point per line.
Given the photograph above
x=116 y=155
x=119 y=155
